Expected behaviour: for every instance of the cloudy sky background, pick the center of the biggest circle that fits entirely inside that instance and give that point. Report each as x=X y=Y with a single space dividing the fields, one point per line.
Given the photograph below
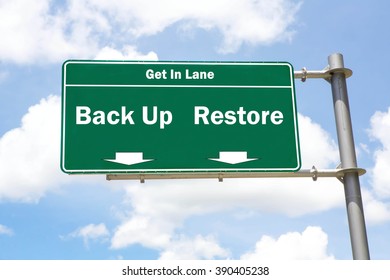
x=45 y=214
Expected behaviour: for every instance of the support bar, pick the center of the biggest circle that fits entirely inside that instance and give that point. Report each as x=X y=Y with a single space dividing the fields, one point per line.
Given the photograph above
x=308 y=173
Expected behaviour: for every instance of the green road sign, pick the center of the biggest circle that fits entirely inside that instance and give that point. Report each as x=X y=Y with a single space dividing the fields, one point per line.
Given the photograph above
x=148 y=117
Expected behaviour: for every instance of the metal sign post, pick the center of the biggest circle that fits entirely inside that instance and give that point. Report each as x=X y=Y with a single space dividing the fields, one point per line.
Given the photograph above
x=336 y=74
x=351 y=183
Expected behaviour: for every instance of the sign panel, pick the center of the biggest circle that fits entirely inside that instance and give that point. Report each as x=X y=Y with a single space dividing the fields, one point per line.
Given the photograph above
x=147 y=117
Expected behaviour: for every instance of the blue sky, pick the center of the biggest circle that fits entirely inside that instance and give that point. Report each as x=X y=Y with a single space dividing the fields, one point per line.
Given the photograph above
x=46 y=214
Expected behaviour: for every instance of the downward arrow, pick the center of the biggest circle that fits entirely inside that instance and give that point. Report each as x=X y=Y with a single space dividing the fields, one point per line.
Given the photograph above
x=233 y=157
x=128 y=158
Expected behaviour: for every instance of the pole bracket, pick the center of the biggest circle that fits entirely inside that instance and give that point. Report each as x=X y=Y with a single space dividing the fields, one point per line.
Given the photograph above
x=326 y=73
x=343 y=171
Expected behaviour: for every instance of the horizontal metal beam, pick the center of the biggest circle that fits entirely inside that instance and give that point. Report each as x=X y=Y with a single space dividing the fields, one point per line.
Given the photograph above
x=320 y=74
x=310 y=173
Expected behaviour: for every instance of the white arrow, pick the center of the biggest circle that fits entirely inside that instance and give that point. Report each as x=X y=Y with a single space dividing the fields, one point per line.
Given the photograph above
x=233 y=157
x=128 y=158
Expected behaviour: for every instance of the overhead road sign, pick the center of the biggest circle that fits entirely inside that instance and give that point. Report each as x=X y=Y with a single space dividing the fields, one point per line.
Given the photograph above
x=173 y=117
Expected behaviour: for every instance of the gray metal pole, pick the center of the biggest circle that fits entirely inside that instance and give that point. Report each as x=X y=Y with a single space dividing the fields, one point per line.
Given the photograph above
x=357 y=226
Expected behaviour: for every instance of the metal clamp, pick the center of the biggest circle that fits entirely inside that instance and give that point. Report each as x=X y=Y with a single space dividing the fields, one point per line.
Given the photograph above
x=304 y=75
x=314 y=171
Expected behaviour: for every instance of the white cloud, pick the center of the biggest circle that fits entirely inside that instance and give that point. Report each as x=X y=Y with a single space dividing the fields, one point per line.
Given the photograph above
x=317 y=147
x=35 y=34
x=29 y=154
x=363 y=147
x=380 y=127
x=158 y=208
x=311 y=244
x=49 y=31
x=128 y=53
x=239 y=21
x=90 y=232
x=147 y=230
x=6 y=230
x=375 y=211
x=197 y=248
